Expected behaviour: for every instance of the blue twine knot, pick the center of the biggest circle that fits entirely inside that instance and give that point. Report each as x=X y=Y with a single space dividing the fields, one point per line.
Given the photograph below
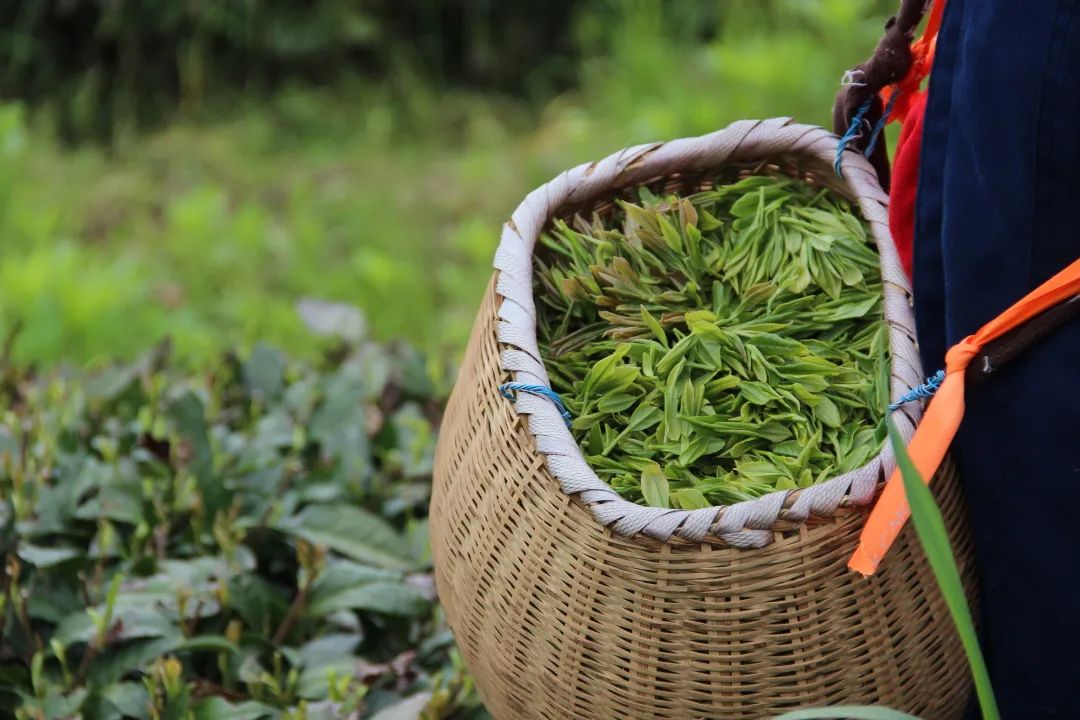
x=927 y=389
x=881 y=124
x=509 y=391
x=853 y=130
x=851 y=134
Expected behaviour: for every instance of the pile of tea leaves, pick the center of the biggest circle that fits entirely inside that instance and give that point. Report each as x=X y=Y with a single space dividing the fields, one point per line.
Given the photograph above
x=719 y=346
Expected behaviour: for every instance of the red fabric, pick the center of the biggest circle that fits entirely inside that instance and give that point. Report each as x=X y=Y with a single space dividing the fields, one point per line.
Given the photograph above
x=905 y=177
x=922 y=59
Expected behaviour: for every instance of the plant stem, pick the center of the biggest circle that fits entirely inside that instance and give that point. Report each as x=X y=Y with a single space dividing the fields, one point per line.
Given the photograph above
x=297 y=607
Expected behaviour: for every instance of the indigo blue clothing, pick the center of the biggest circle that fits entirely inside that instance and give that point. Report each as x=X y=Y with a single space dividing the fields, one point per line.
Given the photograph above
x=998 y=212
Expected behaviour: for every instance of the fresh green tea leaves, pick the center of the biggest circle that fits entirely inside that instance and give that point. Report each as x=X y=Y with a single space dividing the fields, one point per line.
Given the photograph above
x=718 y=346
x=827 y=413
x=690 y=499
x=654 y=327
x=654 y=486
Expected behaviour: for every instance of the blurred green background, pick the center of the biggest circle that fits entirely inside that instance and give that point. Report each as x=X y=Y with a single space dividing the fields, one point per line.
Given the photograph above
x=195 y=168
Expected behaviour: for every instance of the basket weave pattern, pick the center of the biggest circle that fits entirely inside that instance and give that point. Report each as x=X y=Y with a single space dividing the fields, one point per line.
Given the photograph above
x=570 y=603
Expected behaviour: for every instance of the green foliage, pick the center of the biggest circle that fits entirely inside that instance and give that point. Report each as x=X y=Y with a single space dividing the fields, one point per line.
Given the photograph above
x=718 y=346
x=248 y=541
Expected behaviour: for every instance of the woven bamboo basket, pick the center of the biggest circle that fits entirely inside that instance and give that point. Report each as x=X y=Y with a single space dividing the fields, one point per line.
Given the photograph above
x=569 y=602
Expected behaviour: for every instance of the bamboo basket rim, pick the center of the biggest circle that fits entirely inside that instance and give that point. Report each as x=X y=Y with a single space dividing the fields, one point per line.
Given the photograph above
x=777 y=145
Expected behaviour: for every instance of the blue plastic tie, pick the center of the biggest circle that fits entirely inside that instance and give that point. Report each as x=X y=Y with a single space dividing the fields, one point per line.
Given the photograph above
x=851 y=134
x=926 y=390
x=511 y=389
x=881 y=124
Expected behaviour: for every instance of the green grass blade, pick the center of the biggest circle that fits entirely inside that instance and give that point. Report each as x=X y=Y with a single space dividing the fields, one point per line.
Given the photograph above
x=847 y=712
x=930 y=527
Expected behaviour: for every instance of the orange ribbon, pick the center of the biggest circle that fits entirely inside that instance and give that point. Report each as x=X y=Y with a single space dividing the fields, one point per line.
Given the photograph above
x=943 y=415
x=922 y=59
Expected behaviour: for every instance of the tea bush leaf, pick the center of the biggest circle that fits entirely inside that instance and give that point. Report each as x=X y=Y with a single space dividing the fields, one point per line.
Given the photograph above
x=42 y=557
x=390 y=598
x=328 y=649
x=351 y=531
x=405 y=710
x=264 y=373
x=188 y=413
x=121 y=700
x=219 y=709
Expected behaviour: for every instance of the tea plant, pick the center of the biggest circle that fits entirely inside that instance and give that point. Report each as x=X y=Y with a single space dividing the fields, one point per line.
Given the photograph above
x=249 y=541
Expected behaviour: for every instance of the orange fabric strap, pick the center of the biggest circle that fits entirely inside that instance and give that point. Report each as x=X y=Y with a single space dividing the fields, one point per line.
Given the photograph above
x=922 y=59
x=943 y=414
